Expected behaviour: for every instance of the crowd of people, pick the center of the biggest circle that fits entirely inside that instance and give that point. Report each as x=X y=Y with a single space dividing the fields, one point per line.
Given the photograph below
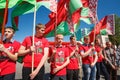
x=65 y=60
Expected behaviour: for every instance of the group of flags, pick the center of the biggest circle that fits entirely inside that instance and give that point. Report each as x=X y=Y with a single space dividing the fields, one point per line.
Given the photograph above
x=65 y=15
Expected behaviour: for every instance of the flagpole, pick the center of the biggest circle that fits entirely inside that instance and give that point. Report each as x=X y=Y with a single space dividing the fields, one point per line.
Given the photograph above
x=114 y=24
x=54 y=50
x=34 y=22
x=96 y=22
x=4 y=21
x=56 y=18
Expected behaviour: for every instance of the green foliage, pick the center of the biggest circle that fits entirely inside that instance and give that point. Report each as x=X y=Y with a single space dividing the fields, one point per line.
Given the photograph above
x=115 y=39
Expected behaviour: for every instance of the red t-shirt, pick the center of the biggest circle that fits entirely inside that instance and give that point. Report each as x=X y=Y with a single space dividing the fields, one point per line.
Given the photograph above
x=88 y=59
x=59 y=59
x=7 y=66
x=40 y=44
x=73 y=60
x=98 y=49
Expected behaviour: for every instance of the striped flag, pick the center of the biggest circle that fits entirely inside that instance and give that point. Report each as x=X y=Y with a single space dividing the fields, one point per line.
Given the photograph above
x=106 y=24
x=89 y=11
x=53 y=5
x=93 y=11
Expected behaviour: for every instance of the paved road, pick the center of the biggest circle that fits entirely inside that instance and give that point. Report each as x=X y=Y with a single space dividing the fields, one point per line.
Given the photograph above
x=47 y=70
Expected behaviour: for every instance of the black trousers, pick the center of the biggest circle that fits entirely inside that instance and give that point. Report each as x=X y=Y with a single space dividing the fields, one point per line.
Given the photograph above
x=112 y=72
x=73 y=74
x=8 y=77
x=26 y=71
x=55 y=77
x=101 y=68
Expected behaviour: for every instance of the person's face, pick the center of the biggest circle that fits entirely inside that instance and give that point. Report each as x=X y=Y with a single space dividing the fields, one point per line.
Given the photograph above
x=87 y=40
x=108 y=45
x=8 y=33
x=73 y=40
x=97 y=41
x=59 y=39
x=40 y=31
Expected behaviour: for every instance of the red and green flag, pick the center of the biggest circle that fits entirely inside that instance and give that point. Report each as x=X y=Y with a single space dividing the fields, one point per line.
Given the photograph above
x=110 y=26
x=89 y=11
x=55 y=20
x=27 y=6
x=68 y=18
x=106 y=26
x=3 y=7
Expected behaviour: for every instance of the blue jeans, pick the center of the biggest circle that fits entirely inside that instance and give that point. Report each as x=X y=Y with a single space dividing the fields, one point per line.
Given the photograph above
x=89 y=73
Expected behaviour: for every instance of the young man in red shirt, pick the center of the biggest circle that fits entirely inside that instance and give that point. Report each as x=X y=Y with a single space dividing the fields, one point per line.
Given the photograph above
x=89 y=60
x=74 y=65
x=8 y=55
x=100 y=64
x=59 y=59
x=40 y=50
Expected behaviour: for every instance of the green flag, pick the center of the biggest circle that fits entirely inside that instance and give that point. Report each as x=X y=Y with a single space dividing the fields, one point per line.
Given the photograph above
x=74 y=5
x=1 y=15
x=11 y=3
x=27 y=6
x=103 y=32
x=84 y=15
x=62 y=28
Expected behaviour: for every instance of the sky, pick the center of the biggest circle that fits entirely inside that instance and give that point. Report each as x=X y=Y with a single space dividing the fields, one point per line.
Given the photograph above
x=105 y=7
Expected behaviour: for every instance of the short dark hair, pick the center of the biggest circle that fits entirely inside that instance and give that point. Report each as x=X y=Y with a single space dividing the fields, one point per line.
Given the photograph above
x=71 y=37
x=108 y=42
x=9 y=27
x=86 y=37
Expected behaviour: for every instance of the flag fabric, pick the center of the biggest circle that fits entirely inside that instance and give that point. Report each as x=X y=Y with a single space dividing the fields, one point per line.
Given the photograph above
x=56 y=19
x=27 y=6
x=11 y=4
x=78 y=35
x=106 y=24
x=68 y=15
x=62 y=28
x=74 y=5
x=53 y=5
x=110 y=26
x=2 y=16
x=23 y=8
x=89 y=11
x=93 y=11
x=70 y=23
x=73 y=14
